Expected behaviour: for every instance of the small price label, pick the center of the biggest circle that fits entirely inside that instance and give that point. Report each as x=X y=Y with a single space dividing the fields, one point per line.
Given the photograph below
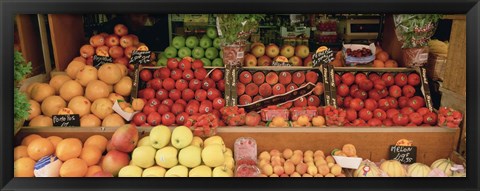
x=324 y=56
x=403 y=154
x=275 y=63
x=66 y=120
x=140 y=57
x=100 y=60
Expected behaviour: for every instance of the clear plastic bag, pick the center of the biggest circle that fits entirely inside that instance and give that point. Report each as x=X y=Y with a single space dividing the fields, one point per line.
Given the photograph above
x=415 y=30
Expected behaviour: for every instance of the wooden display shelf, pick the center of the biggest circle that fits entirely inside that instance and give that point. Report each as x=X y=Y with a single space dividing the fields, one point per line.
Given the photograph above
x=372 y=143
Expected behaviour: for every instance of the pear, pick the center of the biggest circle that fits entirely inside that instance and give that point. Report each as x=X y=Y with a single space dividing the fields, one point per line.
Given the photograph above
x=160 y=136
x=154 y=171
x=212 y=155
x=200 y=171
x=144 y=156
x=145 y=141
x=177 y=171
x=190 y=156
x=166 y=157
x=222 y=171
x=182 y=136
x=130 y=171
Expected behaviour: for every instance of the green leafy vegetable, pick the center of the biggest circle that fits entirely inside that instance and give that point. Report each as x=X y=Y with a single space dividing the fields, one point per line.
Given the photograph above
x=236 y=28
x=415 y=30
x=21 y=69
x=21 y=106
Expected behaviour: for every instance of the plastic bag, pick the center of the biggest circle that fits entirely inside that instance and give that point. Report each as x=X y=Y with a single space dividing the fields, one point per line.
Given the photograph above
x=415 y=30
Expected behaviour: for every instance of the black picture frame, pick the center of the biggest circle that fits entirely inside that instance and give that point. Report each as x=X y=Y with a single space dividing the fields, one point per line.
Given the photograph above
x=8 y=8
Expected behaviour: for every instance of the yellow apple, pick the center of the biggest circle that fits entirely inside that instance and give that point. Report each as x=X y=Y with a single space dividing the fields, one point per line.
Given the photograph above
x=181 y=137
x=214 y=140
x=222 y=171
x=145 y=141
x=200 y=171
x=166 y=157
x=144 y=156
x=212 y=155
x=190 y=156
x=130 y=171
x=267 y=169
x=160 y=136
x=229 y=162
x=197 y=141
x=154 y=171
x=177 y=171
x=228 y=152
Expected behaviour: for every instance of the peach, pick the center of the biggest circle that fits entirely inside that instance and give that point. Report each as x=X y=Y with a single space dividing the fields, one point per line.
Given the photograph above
x=301 y=168
x=318 y=175
x=263 y=162
x=307 y=175
x=320 y=161
x=97 y=40
x=80 y=59
x=323 y=169
x=329 y=175
x=298 y=152
x=336 y=170
x=267 y=169
x=295 y=174
x=310 y=163
x=275 y=152
x=285 y=78
x=284 y=176
x=245 y=77
x=278 y=170
x=307 y=158
x=319 y=153
x=296 y=159
x=278 y=89
x=330 y=159
x=298 y=77
x=311 y=76
x=274 y=175
x=265 y=90
x=264 y=155
x=87 y=51
x=308 y=153
x=289 y=167
x=115 y=52
x=287 y=153
x=240 y=89
x=251 y=89
x=312 y=170
x=330 y=165
x=271 y=78
x=258 y=78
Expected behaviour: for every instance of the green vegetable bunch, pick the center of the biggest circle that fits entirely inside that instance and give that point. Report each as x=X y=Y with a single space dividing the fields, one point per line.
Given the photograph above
x=21 y=106
x=415 y=30
x=236 y=28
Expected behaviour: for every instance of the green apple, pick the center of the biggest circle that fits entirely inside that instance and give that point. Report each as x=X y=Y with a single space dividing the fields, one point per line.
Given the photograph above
x=178 y=42
x=160 y=136
x=206 y=62
x=222 y=171
x=145 y=141
x=216 y=42
x=154 y=171
x=170 y=52
x=177 y=171
x=221 y=54
x=166 y=157
x=205 y=42
x=217 y=62
x=144 y=156
x=211 y=53
x=162 y=61
x=191 y=42
x=190 y=156
x=182 y=136
x=184 y=52
x=212 y=155
x=130 y=171
x=200 y=171
x=197 y=141
x=198 y=52
x=212 y=32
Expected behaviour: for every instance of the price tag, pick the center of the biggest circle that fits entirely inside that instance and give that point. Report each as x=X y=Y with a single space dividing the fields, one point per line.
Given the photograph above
x=322 y=56
x=140 y=57
x=403 y=154
x=275 y=63
x=66 y=120
x=100 y=60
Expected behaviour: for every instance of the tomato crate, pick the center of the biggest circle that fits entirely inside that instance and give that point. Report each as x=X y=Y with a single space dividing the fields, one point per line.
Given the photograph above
x=286 y=86
x=403 y=89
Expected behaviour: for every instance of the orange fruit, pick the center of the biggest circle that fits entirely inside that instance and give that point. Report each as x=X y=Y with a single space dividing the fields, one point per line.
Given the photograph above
x=74 y=167
x=54 y=140
x=91 y=155
x=92 y=170
x=97 y=141
x=383 y=56
x=20 y=152
x=318 y=121
x=68 y=148
x=30 y=138
x=302 y=120
x=23 y=167
x=39 y=148
x=378 y=64
x=391 y=64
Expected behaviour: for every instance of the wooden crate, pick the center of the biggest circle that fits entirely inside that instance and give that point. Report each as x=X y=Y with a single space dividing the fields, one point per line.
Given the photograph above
x=458 y=102
x=372 y=143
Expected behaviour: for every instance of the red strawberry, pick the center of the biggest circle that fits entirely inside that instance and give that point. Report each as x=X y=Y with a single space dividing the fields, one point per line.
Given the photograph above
x=415 y=118
x=348 y=78
x=380 y=114
x=401 y=79
x=413 y=79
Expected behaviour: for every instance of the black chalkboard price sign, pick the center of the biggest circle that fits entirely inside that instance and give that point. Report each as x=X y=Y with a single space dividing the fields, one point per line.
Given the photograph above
x=403 y=154
x=66 y=120
x=140 y=57
x=100 y=60
x=322 y=57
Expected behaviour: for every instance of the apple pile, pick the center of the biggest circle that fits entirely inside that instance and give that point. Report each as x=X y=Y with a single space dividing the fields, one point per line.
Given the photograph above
x=261 y=55
x=253 y=86
x=206 y=49
x=298 y=164
x=375 y=100
x=447 y=117
x=182 y=89
x=118 y=46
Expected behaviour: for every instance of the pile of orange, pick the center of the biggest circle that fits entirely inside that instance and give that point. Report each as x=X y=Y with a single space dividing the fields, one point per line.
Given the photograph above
x=79 y=159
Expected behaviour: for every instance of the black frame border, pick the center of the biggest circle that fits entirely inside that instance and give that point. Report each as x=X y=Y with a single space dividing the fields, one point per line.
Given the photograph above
x=8 y=8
